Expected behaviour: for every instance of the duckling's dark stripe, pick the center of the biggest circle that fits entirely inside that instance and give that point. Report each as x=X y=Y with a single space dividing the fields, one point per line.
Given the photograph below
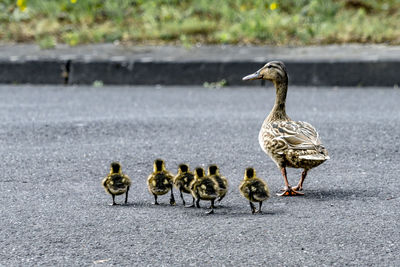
x=159 y=164
x=183 y=167
x=199 y=172
x=115 y=167
x=250 y=173
x=213 y=169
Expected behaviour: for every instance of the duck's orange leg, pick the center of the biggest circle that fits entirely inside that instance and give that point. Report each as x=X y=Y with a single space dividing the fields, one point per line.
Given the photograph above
x=299 y=186
x=288 y=191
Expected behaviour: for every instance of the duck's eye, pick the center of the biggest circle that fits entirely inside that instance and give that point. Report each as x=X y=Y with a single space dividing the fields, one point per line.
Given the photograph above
x=269 y=66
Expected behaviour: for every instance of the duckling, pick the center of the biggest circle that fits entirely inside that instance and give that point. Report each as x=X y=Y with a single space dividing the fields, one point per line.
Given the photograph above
x=182 y=181
x=254 y=189
x=116 y=183
x=213 y=172
x=204 y=188
x=160 y=182
x=289 y=143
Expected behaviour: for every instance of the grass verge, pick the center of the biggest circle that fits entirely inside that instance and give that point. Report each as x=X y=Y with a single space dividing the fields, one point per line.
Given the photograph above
x=284 y=22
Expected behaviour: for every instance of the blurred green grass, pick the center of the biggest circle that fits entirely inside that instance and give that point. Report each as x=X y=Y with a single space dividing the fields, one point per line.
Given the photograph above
x=187 y=22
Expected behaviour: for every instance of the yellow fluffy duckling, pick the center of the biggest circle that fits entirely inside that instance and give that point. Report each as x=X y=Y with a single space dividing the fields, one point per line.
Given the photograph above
x=204 y=188
x=254 y=189
x=160 y=182
x=116 y=183
x=213 y=172
x=182 y=181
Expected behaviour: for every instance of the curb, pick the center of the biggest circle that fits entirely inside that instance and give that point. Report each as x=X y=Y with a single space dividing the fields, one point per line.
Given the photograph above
x=383 y=73
x=309 y=66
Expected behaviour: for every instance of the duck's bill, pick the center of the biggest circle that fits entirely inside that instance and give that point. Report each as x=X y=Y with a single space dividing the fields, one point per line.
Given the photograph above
x=253 y=76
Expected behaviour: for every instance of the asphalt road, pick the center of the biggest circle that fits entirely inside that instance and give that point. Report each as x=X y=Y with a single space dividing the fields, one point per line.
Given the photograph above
x=57 y=144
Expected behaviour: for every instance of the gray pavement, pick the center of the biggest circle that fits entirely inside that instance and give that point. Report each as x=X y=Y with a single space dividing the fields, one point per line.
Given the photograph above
x=57 y=144
x=333 y=65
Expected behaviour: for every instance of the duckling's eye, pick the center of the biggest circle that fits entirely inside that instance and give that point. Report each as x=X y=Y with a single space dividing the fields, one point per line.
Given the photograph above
x=269 y=66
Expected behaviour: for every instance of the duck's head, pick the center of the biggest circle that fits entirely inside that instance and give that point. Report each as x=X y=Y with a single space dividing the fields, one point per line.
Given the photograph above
x=115 y=168
x=213 y=170
x=199 y=173
x=183 y=168
x=159 y=165
x=274 y=71
x=249 y=173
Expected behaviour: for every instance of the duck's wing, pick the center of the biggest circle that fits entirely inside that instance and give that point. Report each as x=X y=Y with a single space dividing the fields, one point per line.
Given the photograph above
x=104 y=181
x=126 y=180
x=300 y=137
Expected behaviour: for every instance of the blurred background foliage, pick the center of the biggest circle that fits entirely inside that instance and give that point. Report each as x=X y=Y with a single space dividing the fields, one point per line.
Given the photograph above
x=188 y=22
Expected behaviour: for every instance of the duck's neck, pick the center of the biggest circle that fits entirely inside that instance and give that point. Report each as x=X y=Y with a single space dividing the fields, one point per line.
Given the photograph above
x=278 y=112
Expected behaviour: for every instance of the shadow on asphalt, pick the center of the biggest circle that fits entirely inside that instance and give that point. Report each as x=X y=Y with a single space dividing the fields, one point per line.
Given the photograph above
x=339 y=194
x=219 y=211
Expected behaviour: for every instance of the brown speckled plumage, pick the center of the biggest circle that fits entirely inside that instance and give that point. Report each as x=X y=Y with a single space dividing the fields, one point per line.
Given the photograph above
x=288 y=143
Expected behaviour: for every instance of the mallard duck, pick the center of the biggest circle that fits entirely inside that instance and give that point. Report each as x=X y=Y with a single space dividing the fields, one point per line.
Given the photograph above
x=204 y=188
x=289 y=143
x=254 y=189
x=182 y=181
x=160 y=182
x=116 y=183
x=213 y=172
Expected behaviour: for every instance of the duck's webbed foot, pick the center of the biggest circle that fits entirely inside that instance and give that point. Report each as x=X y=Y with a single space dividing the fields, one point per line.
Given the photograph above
x=289 y=191
x=297 y=188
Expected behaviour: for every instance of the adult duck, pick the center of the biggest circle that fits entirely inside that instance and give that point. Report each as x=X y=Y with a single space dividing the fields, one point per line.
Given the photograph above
x=289 y=143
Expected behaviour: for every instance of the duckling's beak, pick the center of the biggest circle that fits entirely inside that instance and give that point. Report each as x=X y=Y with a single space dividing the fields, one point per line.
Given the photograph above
x=254 y=76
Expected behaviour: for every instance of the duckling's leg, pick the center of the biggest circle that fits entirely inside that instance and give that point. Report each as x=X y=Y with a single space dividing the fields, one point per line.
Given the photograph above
x=299 y=186
x=113 y=198
x=172 y=199
x=126 y=195
x=183 y=200
x=253 y=209
x=155 y=199
x=211 y=207
x=259 y=207
x=198 y=203
x=288 y=191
